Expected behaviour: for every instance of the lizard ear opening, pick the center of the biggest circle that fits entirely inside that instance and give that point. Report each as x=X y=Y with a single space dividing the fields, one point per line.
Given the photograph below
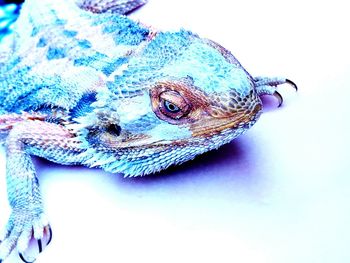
x=114 y=129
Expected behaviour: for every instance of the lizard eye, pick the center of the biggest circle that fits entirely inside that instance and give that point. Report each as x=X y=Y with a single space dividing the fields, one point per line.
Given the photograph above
x=170 y=107
x=173 y=105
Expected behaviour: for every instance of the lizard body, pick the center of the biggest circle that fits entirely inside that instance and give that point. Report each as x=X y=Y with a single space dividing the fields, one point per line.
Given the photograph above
x=80 y=83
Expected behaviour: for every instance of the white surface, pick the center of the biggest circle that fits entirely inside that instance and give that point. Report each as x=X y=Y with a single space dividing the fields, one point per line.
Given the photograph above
x=277 y=194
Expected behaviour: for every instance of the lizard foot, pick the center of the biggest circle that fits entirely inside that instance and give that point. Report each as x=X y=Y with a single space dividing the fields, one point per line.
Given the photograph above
x=268 y=86
x=22 y=227
x=48 y=233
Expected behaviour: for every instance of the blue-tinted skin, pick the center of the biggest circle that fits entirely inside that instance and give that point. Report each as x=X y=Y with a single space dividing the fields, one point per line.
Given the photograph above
x=96 y=86
x=8 y=14
x=68 y=64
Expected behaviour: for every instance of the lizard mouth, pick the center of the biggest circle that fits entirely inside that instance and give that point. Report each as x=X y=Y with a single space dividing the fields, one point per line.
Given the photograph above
x=240 y=120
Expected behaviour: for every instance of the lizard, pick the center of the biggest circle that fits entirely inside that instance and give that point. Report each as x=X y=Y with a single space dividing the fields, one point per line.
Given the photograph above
x=83 y=84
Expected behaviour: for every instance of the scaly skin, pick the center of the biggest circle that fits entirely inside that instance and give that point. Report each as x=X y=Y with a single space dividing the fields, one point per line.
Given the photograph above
x=82 y=84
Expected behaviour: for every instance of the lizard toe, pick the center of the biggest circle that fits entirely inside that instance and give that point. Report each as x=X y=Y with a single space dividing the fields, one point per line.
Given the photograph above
x=292 y=83
x=23 y=259
x=268 y=86
x=279 y=97
x=10 y=237
x=23 y=227
x=47 y=236
x=27 y=254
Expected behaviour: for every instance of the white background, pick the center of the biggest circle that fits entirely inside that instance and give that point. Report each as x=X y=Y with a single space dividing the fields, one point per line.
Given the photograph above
x=279 y=193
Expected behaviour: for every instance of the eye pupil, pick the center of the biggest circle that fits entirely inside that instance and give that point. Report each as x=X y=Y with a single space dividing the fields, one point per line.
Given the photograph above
x=171 y=107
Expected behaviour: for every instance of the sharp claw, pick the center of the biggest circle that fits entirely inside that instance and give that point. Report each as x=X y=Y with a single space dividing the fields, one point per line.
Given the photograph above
x=40 y=246
x=279 y=97
x=292 y=83
x=23 y=259
x=50 y=232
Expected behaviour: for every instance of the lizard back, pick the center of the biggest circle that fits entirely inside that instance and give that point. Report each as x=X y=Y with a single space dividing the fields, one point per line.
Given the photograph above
x=66 y=51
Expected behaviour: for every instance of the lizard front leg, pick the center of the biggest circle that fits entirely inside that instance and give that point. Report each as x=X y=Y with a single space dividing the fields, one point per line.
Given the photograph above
x=31 y=136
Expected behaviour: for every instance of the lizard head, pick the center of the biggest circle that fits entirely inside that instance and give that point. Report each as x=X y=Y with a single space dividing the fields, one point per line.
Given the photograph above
x=179 y=97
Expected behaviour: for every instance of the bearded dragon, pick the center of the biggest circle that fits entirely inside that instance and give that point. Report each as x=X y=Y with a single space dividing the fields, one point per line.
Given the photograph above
x=81 y=83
